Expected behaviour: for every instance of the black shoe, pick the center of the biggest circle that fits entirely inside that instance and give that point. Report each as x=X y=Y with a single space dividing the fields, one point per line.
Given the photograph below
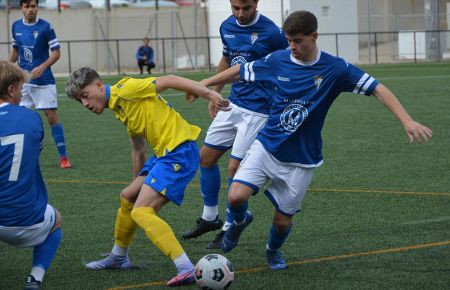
x=215 y=244
x=203 y=227
x=32 y=284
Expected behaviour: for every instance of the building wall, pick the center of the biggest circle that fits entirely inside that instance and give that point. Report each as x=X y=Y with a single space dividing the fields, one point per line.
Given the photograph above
x=334 y=17
x=127 y=24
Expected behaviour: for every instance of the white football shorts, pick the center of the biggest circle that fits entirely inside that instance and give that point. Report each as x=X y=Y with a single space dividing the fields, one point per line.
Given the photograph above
x=30 y=236
x=236 y=128
x=40 y=97
x=289 y=183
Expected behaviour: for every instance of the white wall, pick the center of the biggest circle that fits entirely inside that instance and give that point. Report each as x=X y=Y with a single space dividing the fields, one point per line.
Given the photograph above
x=334 y=17
x=121 y=23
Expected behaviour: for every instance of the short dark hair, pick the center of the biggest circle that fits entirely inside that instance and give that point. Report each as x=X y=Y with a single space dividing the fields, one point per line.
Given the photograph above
x=28 y=2
x=303 y=22
x=80 y=79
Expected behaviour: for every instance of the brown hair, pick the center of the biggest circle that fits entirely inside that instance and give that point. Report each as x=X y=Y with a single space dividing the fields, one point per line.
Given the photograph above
x=303 y=22
x=10 y=74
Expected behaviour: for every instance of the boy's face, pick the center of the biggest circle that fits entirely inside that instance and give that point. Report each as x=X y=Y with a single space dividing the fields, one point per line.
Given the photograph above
x=303 y=47
x=92 y=97
x=29 y=11
x=244 y=10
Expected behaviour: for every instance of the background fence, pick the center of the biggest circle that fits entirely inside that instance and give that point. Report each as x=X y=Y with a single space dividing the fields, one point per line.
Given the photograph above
x=116 y=56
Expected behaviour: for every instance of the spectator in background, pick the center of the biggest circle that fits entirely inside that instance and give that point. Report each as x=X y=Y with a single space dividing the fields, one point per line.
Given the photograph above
x=144 y=56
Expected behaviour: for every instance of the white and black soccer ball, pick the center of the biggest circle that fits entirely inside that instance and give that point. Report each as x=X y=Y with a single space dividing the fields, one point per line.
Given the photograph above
x=214 y=272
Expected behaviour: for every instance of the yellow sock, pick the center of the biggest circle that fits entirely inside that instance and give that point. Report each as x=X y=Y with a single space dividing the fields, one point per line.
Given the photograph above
x=158 y=231
x=125 y=227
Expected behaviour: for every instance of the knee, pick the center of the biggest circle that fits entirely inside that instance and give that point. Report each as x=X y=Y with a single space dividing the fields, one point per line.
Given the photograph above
x=58 y=220
x=235 y=199
x=52 y=117
x=206 y=161
x=127 y=195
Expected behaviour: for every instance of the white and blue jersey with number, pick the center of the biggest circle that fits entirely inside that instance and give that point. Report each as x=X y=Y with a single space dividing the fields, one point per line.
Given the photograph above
x=23 y=195
x=304 y=93
x=246 y=43
x=33 y=42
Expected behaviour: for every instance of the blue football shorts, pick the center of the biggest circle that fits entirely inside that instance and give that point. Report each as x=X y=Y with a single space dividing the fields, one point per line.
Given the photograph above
x=170 y=174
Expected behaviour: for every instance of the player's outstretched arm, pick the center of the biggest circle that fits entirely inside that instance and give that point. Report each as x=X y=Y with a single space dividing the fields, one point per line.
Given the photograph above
x=223 y=65
x=189 y=86
x=227 y=76
x=413 y=129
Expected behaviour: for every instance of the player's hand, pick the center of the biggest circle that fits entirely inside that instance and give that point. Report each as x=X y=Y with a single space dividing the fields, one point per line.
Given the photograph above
x=417 y=131
x=37 y=72
x=212 y=110
x=216 y=103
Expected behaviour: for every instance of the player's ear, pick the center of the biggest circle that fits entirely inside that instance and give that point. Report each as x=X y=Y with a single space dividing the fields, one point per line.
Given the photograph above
x=99 y=84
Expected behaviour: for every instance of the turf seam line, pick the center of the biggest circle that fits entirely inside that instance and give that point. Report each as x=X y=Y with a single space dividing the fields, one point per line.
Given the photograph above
x=309 y=261
x=310 y=189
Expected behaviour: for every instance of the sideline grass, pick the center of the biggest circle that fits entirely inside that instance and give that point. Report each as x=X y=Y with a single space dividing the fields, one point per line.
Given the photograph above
x=370 y=195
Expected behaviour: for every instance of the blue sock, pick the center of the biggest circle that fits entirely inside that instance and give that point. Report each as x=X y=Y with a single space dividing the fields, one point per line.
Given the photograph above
x=238 y=213
x=58 y=137
x=45 y=252
x=276 y=239
x=210 y=185
x=228 y=215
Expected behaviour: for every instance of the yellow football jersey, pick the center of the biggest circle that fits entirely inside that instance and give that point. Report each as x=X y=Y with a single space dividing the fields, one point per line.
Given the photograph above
x=136 y=103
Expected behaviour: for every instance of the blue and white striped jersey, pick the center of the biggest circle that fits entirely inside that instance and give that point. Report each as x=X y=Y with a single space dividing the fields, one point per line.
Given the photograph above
x=304 y=93
x=243 y=44
x=23 y=195
x=33 y=42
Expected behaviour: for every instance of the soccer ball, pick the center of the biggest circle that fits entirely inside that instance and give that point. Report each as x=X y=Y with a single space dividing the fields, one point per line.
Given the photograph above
x=214 y=272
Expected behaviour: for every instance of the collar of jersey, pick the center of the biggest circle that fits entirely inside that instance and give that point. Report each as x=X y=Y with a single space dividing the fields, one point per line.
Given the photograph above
x=309 y=63
x=251 y=23
x=107 y=93
x=30 y=24
x=4 y=104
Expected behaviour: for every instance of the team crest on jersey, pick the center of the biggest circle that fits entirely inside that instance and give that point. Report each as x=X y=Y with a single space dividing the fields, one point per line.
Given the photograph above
x=35 y=34
x=176 y=167
x=28 y=55
x=119 y=86
x=153 y=180
x=292 y=117
x=254 y=37
x=238 y=60
x=317 y=81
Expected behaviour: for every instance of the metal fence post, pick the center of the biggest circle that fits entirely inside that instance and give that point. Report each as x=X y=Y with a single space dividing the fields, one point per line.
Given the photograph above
x=337 y=43
x=376 y=47
x=164 y=55
x=209 y=52
x=118 y=57
x=415 y=49
x=68 y=56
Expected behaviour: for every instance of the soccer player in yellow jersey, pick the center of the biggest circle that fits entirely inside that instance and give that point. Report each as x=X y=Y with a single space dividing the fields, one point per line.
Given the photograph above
x=162 y=178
